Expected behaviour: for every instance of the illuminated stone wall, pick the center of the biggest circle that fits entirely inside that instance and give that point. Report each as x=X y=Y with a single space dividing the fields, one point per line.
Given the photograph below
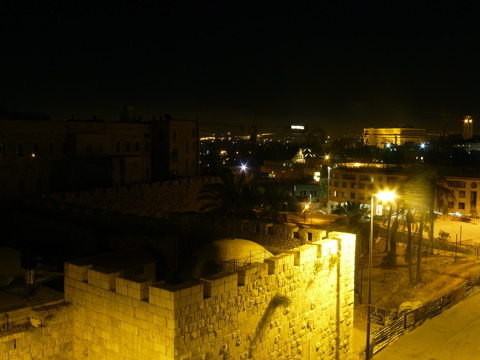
x=37 y=333
x=296 y=305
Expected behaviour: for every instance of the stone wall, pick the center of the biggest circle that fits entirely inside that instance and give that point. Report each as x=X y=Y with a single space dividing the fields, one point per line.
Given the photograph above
x=296 y=305
x=154 y=200
x=276 y=238
x=43 y=332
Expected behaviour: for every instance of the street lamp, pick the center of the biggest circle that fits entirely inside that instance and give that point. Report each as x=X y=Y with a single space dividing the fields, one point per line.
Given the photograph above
x=328 y=190
x=384 y=196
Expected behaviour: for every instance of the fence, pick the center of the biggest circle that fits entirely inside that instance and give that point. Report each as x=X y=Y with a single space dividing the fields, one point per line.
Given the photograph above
x=254 y=256
x=411 y=320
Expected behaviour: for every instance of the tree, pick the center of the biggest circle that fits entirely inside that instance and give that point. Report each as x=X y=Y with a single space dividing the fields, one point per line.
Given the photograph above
x=323 y=191
x=272 y=200
x=355 y=215
x=232 y=196
x=426 y=193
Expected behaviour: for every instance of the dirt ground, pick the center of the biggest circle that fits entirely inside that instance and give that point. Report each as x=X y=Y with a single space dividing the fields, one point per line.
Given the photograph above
x=441 y=273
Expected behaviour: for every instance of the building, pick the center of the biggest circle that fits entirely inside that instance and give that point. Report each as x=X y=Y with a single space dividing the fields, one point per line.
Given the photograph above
x=303 y=165
x=359 y=183
x=399 y=135
x=467 y=128
x=40 y=156
x=32 y=154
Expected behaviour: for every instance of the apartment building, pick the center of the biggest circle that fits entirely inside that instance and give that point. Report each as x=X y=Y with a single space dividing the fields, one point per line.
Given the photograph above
x=359 y=183
x=40 y=156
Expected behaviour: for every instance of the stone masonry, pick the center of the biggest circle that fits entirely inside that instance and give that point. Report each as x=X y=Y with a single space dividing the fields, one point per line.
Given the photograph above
x=296 y=305
x=41 y=332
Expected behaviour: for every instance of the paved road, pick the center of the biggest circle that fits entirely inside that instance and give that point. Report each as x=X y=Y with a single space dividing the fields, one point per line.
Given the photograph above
x=452 y=335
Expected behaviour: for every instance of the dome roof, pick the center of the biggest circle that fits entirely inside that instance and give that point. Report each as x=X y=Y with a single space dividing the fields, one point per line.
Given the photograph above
x=224 y=251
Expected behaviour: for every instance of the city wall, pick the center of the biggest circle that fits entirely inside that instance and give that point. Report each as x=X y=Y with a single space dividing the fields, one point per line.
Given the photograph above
x=44 y=332
x=296 y=305
x=154 y=200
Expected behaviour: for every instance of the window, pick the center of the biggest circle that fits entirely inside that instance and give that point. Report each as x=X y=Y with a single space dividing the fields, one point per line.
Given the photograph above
x=193 y=133
x=20 y=151
x=3 y=150
x=461 y=194
x=361 y=186
x=335 y=183
x=352 y=195
x=147 y=145
x=127 y=146
x=459 y=184
x=344 y=194
x=392 y=179
x=450 y=204
x=186 y=148
x=370 y=186
x=186 y=164
x=137 y=145
x=473 y=184
x=461 y=205
x=173 y=155
x=344 y=184
x=365 y=177
x=380 y=178
x=174 y=135
x=353 y=185
x=117 y=145
x=361 y=196
x=50 y=149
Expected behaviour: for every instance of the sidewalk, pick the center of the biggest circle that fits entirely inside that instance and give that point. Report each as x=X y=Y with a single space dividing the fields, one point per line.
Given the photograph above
x=452 y=335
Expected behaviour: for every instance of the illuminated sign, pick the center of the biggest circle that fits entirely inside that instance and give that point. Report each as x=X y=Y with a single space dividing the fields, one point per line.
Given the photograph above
x=297 y=127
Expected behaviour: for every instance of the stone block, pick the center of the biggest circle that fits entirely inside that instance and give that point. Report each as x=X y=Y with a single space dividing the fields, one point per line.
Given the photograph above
x=326 y=247
x=250 y=273
x=218 y=284
x=280 y=263
x=304 y=254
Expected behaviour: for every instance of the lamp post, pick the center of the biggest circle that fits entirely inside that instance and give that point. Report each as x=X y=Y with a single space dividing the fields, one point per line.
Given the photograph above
x=328 y=190
x=384 y=196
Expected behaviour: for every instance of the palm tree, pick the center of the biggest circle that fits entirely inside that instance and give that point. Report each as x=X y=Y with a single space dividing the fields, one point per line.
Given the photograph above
x=232 y=196
x=426 y=193
x=356 y=213
x=272 y=201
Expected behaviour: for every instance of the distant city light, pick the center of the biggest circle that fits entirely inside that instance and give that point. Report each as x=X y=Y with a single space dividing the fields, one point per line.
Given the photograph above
x=297 y=127
x=243 y=168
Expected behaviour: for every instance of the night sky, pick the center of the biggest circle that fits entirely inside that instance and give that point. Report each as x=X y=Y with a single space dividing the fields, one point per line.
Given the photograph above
x=340 y=65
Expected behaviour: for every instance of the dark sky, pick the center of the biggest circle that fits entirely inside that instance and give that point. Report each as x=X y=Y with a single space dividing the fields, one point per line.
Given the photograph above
x=343 y=65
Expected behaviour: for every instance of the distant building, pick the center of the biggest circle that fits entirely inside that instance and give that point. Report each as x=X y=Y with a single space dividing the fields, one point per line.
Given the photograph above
x=299 y=167
x=39 y=156
x=399 y=135
x=359 y=183
x=467 y=128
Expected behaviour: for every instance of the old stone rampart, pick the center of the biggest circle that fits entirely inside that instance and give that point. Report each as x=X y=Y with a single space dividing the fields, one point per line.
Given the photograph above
x=43 y=332
x=295 y=305
x=153 y=200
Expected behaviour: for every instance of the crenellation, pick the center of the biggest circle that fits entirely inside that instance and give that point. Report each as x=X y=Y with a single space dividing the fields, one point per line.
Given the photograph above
x=285 y=306
x=304 y=254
